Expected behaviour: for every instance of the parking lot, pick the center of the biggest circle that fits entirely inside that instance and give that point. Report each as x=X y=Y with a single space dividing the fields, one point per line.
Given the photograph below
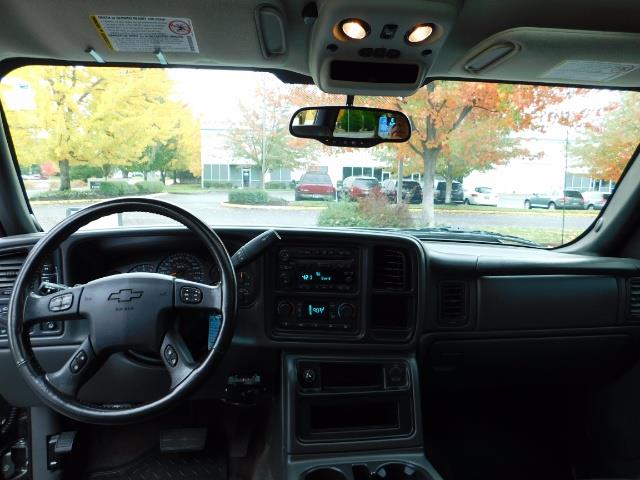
x=211 y=206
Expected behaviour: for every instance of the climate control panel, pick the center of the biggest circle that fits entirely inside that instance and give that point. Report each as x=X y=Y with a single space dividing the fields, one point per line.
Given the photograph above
x=316 y=314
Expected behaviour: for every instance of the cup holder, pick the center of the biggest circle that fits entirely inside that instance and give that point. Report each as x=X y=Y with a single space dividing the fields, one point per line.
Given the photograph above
x=400 y=471
x=325 y=473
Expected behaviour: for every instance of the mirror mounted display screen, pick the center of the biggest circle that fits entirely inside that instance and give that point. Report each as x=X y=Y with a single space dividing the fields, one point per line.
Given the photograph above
x=344 y=126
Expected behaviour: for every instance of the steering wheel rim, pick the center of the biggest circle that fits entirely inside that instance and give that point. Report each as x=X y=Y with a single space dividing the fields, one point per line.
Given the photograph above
x=100 y=300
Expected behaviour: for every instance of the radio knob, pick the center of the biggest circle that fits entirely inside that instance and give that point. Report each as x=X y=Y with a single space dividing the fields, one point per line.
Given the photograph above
x=285 y=309
x=284 y=255
x=346 y=311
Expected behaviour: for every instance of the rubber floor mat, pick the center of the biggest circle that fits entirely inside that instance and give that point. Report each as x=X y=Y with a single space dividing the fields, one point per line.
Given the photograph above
x=165 y=466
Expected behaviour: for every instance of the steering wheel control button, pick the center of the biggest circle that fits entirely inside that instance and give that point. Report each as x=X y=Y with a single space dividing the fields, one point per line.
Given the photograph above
x=50 y=326
x=190 y=295
x=170 y=355
x=60 y=303
x=78 y=362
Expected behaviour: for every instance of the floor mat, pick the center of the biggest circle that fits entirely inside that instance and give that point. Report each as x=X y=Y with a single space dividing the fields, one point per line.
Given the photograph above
x=160 y=466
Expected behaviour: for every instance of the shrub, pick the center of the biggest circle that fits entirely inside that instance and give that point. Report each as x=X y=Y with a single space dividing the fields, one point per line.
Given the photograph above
x=341 y=214
x=150 y=186
x=83 y=172
x=66 y=195
x=277 y=185
x=374 y=211
x=249 y=197
x=215 y=184
x=117 y=188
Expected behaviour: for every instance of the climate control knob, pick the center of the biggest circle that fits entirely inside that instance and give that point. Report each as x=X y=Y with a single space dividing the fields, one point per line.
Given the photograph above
x=346 y=311
x=284 y=255
x=284 y=308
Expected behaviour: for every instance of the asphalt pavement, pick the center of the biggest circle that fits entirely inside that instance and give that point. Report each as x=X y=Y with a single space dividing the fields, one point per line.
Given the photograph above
x=210 y=207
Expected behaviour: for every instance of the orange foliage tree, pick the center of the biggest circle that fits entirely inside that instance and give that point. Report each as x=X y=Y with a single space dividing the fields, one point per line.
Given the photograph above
x=608 y=142
x=465 y=126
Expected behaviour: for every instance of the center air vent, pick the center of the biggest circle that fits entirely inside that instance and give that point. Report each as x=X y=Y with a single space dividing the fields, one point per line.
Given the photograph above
x=634 y=298
x=452 y=305
x=9 y=268
x=390 y=269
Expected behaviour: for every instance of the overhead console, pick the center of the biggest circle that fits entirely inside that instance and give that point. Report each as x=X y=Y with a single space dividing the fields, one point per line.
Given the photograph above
x=384 y=49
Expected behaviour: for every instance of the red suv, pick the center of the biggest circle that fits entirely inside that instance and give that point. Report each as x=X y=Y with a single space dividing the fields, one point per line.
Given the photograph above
x=359 y=187
x=315 y=186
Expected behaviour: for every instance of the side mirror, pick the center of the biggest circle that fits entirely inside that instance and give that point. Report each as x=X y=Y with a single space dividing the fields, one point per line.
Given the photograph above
x=357 y=127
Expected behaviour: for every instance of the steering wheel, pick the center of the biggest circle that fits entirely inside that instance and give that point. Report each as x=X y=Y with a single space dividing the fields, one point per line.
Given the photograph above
x=129 y=311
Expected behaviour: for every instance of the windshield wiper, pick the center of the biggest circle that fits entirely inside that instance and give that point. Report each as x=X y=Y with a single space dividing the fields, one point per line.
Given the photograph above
x=456 y=234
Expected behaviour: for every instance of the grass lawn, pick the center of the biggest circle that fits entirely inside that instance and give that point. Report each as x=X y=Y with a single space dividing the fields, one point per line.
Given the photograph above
x=548 y=237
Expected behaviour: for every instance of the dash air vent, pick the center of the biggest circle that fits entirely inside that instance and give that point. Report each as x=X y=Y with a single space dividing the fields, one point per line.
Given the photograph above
x=634 y=298
x=9 y=268
x=390 y=269
x=452 y=305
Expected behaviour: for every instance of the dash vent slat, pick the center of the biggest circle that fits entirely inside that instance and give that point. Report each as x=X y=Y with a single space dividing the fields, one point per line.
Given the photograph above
x=390 y=269
x=634 y=298
x=453 y=308
x=9 y=269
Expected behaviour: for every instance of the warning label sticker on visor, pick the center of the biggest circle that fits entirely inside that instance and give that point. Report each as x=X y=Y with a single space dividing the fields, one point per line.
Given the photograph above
x=146 y=34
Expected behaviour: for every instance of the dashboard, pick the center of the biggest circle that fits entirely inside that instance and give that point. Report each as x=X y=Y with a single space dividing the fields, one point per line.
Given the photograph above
x=466 y=314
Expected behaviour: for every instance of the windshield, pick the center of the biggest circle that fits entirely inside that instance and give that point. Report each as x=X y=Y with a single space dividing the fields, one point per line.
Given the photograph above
x=217 y=144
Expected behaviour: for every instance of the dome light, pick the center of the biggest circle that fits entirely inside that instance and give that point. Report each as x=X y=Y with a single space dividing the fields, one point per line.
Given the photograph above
x=354 y=28
x=419 y=33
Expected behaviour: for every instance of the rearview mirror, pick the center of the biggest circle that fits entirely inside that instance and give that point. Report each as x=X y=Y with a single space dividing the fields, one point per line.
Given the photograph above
x=358 y=127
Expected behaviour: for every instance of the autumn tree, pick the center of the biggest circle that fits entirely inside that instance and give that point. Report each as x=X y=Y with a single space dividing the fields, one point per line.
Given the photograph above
x=98 y=116
x=262 y=134
x=608 y=141
x=468 y=122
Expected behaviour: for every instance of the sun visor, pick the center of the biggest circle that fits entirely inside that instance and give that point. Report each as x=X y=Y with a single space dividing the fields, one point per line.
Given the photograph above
x=557 y=56
x=361 y=47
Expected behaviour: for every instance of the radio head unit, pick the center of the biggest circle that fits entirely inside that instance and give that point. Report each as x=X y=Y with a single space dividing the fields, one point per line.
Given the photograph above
x=307 y=269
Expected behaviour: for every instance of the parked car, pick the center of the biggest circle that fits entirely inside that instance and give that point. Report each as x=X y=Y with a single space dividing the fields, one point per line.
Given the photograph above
x=457 y=192
x=315 y=186
x=595 y=200
x=480 y=196
x=358 y=187
x=32 y=176
x=567 y=199
x=411 y=190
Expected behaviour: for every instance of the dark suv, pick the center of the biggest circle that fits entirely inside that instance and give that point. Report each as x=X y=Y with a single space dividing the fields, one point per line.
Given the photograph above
x=457 y=192
x=411 y=190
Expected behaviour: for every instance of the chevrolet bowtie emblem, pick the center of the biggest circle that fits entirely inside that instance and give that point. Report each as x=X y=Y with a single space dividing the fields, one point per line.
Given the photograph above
x=125 y=295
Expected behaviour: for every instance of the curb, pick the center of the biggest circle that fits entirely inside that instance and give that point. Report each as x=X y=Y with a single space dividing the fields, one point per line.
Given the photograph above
x=269 y=207
x=88 y=200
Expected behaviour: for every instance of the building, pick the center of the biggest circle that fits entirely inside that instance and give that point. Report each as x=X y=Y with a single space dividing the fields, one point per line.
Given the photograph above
x=219 y=166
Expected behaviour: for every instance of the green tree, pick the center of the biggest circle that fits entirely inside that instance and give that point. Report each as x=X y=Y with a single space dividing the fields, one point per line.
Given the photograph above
x=262 y=136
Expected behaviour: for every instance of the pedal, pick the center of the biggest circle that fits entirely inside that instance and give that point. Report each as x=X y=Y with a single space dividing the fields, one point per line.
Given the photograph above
x=183 y=440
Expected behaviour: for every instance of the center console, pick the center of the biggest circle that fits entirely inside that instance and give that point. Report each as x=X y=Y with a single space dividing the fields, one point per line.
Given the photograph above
x=317 y=291
x=353 y=418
